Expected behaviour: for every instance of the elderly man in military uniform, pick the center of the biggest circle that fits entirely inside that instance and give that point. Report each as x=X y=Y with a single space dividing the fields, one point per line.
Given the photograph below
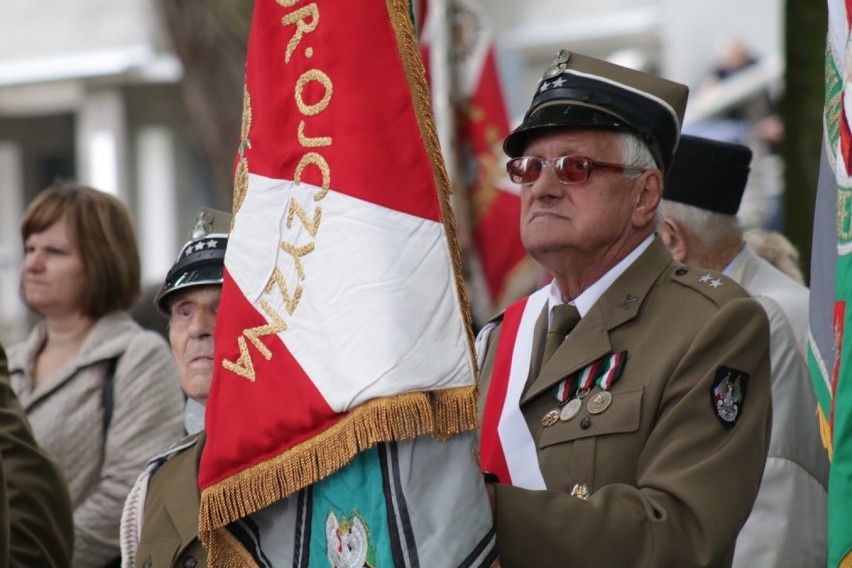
x=624 y=407
x=160 y=519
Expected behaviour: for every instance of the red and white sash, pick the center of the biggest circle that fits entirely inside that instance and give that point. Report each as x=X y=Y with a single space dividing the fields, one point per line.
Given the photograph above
x=506 y=446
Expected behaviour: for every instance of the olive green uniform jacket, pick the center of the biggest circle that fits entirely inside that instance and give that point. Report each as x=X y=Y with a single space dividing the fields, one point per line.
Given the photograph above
x=36 y=523
x=169 y=535
x=669 y=484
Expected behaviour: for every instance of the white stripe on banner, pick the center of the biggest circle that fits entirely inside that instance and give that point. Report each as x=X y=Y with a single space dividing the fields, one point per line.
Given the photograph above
x=376 y=286
x=518 y=444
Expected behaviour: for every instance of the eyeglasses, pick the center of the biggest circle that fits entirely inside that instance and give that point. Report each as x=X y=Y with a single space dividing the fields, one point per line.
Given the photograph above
x=568 y=169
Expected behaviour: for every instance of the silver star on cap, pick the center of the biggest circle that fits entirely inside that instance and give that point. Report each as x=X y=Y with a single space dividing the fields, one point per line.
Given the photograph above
x=199 y=246
x=544 y=87
x=211 y=244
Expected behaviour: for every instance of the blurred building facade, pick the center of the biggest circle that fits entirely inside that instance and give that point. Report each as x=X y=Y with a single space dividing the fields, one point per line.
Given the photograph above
x=90 y=89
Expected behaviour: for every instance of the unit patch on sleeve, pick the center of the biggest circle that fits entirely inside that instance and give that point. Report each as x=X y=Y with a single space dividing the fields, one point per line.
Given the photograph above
x=727 y=395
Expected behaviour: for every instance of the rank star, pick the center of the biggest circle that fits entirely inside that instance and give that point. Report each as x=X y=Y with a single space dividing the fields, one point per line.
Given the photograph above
x=199 y=246
x=558 y=82
x=211 y=244
x=706 y=278
x=544 y=87
x=716 y=283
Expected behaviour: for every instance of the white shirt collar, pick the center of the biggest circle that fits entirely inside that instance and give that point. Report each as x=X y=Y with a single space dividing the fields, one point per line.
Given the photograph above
x=592 y=294
x=733 y=263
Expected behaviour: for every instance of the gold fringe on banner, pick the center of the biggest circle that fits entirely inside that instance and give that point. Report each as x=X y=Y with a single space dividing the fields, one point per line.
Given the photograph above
x=825 y=432
x=415 y=75
x=455 y=412
x=402 y=417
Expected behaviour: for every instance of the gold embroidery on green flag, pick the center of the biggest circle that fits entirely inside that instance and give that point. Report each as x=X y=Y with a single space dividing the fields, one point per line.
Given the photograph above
x=833 y=100
x=824 y=431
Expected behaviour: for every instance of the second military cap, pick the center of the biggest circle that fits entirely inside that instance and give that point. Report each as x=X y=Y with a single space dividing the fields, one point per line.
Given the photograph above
x=201 y=261
x=708 y=174
x=578 y=91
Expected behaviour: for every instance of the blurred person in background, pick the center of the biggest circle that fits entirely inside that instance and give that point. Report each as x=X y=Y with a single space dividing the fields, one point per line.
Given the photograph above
x=778 y=250
x=787 y=526
x=36 y=526
x=99 y=391
x=159 y=526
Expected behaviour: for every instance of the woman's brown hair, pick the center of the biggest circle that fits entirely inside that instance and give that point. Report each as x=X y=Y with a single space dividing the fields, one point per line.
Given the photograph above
x=102 y=229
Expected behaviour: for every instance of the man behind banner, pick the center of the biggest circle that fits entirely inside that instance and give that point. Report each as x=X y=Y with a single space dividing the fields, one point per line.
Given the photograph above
x=787 y=526
x=159 y=525
x=639 y=437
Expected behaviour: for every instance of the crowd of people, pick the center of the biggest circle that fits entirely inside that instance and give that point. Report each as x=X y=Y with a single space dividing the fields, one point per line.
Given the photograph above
x=650 y=406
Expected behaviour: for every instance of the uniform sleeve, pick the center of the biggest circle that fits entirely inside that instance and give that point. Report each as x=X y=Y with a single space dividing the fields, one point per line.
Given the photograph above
x=35 y=513
x=696 y=479
x=147 y=416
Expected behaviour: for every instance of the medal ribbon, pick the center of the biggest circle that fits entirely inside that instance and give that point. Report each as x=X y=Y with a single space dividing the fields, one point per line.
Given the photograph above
x=604 y=372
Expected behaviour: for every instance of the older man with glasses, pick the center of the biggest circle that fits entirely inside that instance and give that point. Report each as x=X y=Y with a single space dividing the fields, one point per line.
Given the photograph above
x=625 y=407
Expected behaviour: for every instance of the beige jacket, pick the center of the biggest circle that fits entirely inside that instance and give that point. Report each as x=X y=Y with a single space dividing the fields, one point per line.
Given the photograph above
x=66 y=413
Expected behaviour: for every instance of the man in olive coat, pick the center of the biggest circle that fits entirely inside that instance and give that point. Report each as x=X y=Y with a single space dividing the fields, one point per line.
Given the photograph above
x=160 y=518
x=636 y=437
x=36 y=524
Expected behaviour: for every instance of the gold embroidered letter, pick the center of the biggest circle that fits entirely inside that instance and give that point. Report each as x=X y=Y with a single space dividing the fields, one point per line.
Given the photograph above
x=298 y=18
x=312 y=158
x=277 y=326
x=243 y=367
x=311 y=142
x=289 y=303
x=297 y=253
x=297 y=211
x=321 y=78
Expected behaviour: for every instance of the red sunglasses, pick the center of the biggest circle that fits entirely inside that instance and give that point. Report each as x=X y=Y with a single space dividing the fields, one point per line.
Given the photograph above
x=568 y=169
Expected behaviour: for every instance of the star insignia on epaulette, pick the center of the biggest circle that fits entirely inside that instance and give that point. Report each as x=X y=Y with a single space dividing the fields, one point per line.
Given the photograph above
x=706 y=278
x=716 y=283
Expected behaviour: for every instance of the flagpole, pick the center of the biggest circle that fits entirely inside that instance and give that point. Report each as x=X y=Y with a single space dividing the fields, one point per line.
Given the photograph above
x=444 y=89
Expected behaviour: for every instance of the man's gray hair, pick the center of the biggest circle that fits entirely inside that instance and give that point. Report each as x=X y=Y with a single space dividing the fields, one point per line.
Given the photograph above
x=713 y=229
x=634 y=152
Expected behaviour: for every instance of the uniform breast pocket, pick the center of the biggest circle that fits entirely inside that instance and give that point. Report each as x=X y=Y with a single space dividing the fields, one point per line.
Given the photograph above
x=622 y=415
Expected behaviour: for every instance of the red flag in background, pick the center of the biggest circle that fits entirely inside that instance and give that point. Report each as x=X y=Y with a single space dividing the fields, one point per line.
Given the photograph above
x=493 y=202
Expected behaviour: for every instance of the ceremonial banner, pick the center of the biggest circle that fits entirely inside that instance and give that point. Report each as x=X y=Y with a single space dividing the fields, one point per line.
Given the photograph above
x=340 y=423
x=830 y=352
x=493 y=200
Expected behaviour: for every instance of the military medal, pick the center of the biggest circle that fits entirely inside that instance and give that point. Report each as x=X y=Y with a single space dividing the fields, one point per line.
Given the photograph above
x=599 y=402
x=604 y=372
x=550 y=418
x=570 y=410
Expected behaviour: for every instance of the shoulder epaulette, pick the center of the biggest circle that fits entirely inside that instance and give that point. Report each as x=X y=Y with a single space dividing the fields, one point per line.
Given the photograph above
x=713 y=285
x=159 y=459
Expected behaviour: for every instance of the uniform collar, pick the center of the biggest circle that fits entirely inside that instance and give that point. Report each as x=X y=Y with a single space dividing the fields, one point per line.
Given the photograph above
x=592 y=294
